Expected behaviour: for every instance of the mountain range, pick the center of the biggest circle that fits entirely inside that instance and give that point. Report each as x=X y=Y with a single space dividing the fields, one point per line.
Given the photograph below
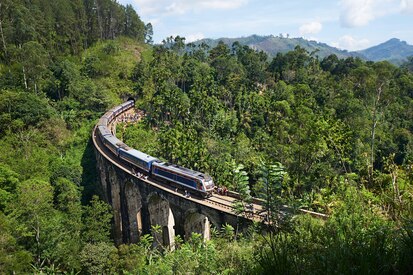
x=393 y=50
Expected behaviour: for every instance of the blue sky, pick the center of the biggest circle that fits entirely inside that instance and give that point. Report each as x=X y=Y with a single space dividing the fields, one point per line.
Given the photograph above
x=346 y=24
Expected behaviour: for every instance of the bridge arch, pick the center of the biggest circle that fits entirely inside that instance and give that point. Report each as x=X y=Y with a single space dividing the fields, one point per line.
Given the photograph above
x=160 y=214
x=198 y=222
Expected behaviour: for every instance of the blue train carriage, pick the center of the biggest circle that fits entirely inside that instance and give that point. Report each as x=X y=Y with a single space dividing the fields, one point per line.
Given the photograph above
x=103 y=132
x=110 y=115
x=190 y=179
x=103 y=121
x=123 y=107
x=115 y=111
x=106 y=118
x=127 y=105
x=113 y=144
x=137 y=158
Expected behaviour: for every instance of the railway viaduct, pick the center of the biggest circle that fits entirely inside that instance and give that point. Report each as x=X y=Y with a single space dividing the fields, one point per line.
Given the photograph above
x=139 y=203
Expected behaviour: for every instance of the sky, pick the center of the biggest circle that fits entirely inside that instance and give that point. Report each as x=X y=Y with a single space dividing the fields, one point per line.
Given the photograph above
x=345 y=24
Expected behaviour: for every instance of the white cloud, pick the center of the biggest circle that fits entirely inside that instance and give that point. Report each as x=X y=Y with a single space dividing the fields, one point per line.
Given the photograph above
x=194 y=37
x=406 y=6
x=356 y=13
x=221 y=4
x=349 y=43
x=311 y=28
x=149 y=7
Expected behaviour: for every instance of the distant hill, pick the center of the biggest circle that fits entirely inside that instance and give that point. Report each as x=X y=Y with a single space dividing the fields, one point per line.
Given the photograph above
x=275 y=44
x=393 y=50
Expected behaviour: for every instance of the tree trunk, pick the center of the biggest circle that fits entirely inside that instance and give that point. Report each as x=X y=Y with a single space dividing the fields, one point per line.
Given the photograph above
x=2 y=35
x=395 y=187
x=36 y=228
x=111 y=27
x=373 y=128
x=24 y=78
x=99 y=19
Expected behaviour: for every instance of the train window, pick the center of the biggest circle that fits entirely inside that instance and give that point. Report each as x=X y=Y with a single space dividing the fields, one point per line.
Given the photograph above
x=164 y=173
x=186 y=181
x=135 y=160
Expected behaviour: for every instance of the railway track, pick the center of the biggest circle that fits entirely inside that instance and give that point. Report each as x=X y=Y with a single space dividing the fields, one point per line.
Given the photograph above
x=211 y=200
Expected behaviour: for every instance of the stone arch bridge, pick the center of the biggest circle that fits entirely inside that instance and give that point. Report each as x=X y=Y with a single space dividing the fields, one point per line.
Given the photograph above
x=140 y=202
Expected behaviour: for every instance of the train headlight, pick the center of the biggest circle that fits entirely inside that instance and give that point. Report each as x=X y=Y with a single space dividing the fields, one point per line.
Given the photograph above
x=209 y=184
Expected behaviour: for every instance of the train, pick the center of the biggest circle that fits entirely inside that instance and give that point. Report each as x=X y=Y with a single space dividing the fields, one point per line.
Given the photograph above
x=192 y=181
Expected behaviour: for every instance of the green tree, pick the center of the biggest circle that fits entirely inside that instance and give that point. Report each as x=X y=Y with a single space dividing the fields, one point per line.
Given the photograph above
x=99 y=258
x=374 y=89
x=29 y=108
x=96 y=221
x=38 y=223
x=13 y=258
x=67 y=199
x=132 y=258
x=34 y=60
x=8 y=183
x=269 y=189
x=409 y=64
x=241 y=185
x=134 y=27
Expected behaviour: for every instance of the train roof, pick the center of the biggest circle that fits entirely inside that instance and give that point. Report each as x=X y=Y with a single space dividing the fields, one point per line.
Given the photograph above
x=138 y=154
x=103 y=121
x=127 y=103
x=115 y=109
x=115 y=141
x=108 y=113
x=104 y=130
x=183 y=170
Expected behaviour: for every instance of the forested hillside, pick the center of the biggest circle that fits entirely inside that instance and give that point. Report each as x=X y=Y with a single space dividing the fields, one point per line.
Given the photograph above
x=280 y=44
x=327 y=122
x=331 y=135
x=394 y=50
x=64 y=27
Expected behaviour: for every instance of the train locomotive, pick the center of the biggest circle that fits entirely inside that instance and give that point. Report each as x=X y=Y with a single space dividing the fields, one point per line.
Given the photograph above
x=190 y=180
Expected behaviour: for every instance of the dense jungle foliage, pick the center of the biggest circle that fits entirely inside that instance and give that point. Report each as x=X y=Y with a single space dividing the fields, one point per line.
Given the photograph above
x=330 y=135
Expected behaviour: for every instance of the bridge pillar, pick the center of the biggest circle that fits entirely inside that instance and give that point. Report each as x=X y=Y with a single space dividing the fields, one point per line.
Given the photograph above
x=133 y=213
x=115 y=201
